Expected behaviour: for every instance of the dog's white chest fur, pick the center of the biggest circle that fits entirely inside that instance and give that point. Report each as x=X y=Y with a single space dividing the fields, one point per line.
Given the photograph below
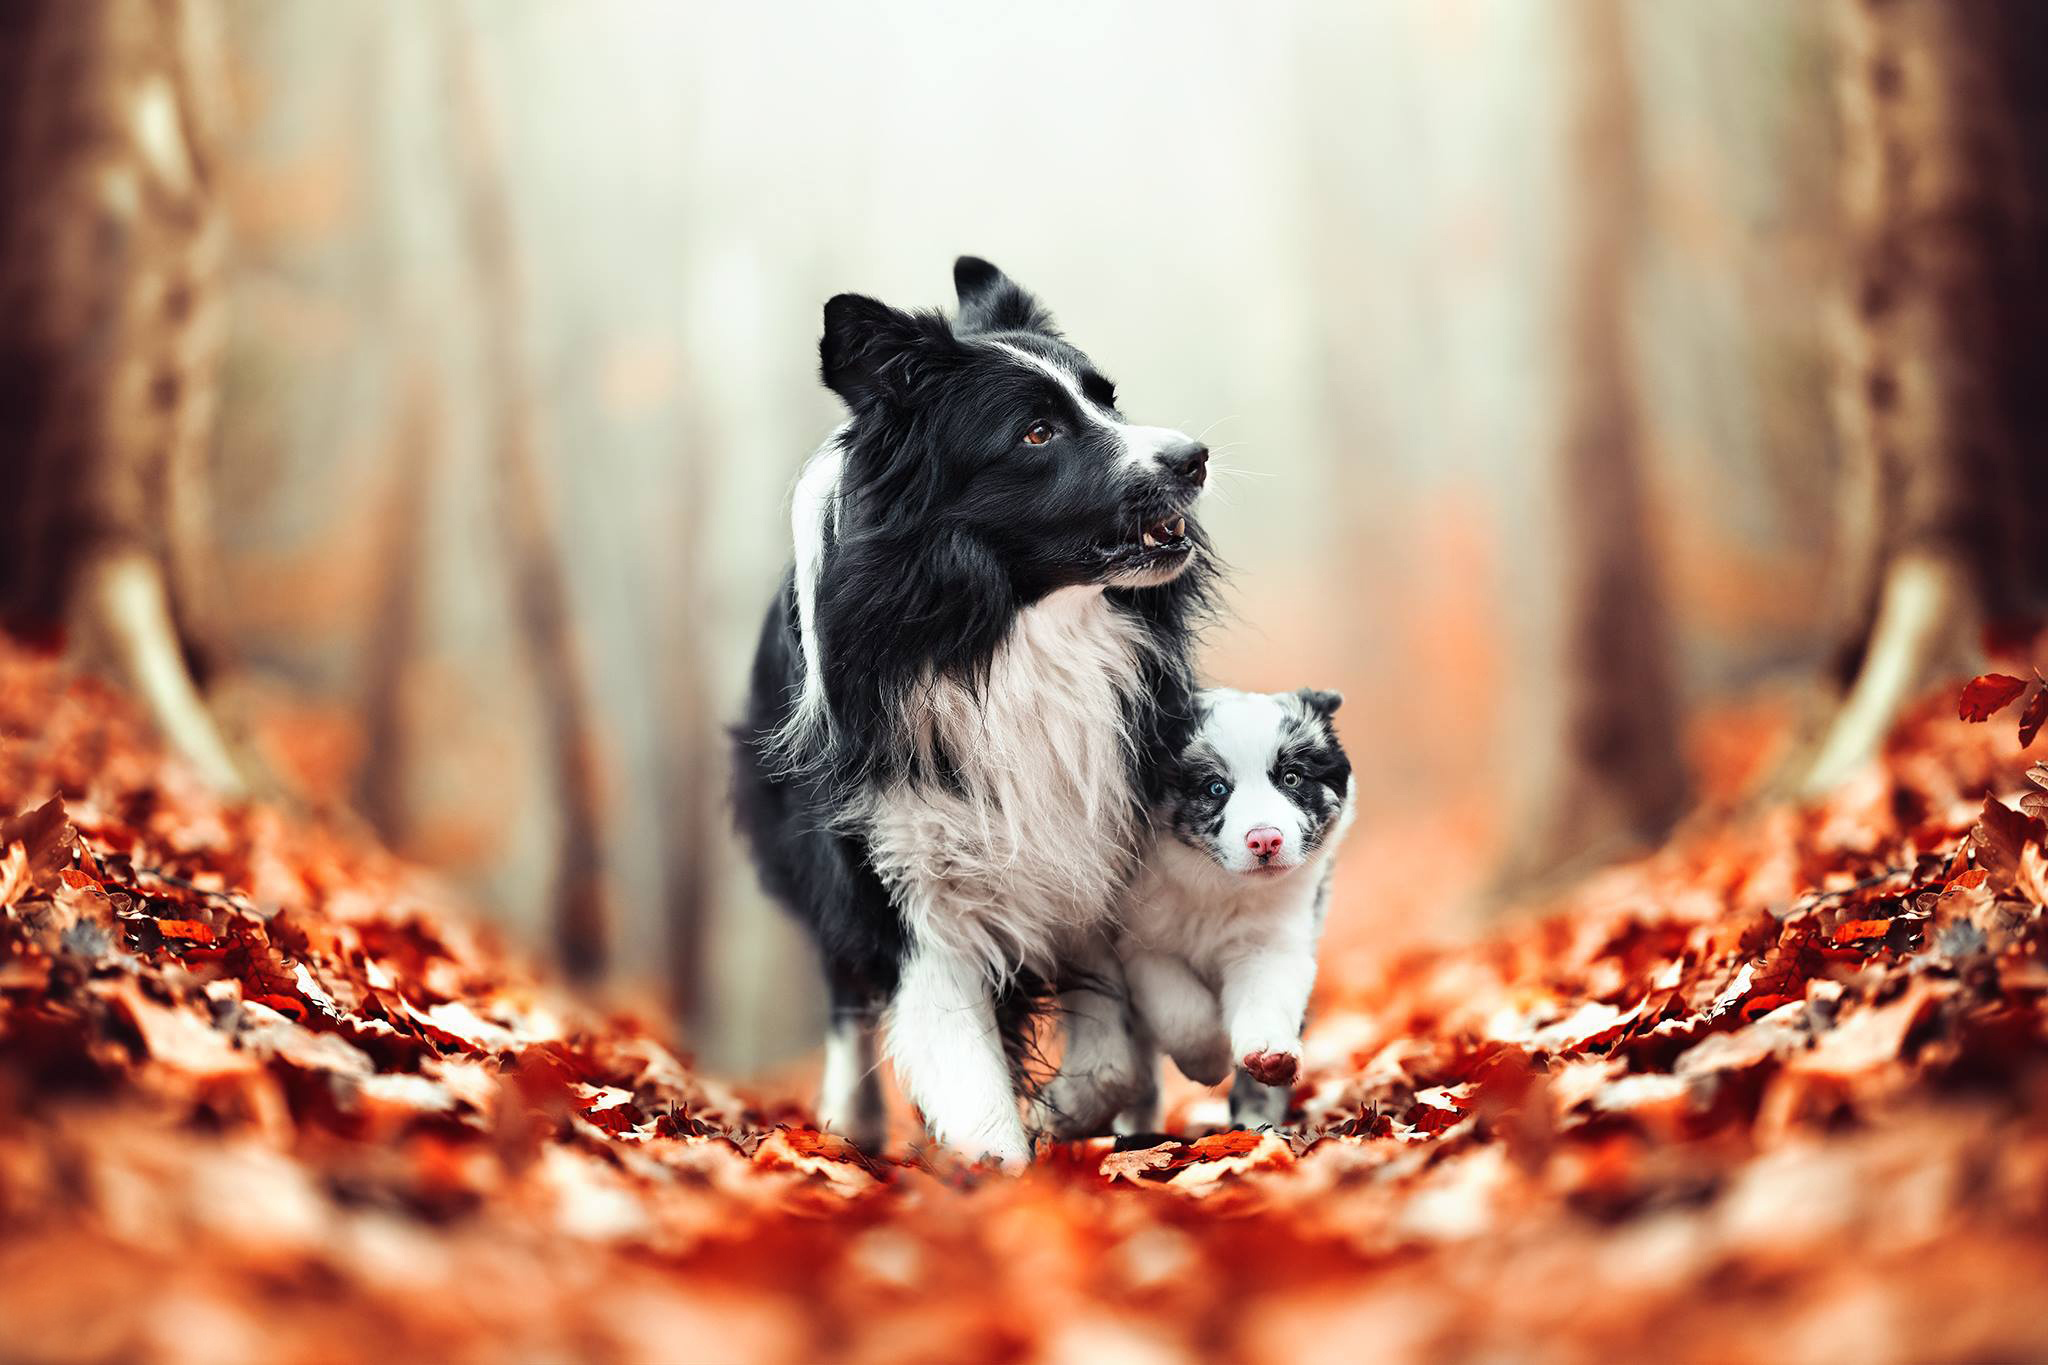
x=1035 y=838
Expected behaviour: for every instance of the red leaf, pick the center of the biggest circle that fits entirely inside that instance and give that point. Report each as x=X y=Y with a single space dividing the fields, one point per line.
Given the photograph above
x=283 y=1004
x=1758 y=1006
x=1988 y=694
x=2034 y=715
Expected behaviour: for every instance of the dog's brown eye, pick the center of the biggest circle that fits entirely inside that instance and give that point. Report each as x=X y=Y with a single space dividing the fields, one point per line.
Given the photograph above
x=1039 y=434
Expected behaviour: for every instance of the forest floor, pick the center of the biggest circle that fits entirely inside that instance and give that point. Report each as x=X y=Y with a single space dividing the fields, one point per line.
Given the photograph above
x=1774 y=1092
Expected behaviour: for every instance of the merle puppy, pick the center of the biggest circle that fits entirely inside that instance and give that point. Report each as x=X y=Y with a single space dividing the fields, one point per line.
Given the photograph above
x=1219 y=931
x=963 y=698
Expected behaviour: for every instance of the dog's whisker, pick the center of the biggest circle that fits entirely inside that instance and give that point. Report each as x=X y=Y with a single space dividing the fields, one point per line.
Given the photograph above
x=1225 y=471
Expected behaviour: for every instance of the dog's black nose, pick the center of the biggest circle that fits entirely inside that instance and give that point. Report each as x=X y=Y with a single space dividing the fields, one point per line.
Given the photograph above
x=1189 y=459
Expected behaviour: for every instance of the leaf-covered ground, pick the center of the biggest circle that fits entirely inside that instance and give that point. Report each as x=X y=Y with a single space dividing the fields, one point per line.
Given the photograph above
x=1777 y=1092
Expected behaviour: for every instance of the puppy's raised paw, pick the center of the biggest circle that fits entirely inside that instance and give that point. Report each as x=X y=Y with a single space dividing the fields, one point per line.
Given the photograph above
x=1273 y=1068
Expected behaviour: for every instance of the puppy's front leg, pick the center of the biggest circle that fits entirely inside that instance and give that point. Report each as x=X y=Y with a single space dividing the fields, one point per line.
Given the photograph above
x=1265 y=998
x=949 y=1057
x=1180 y=1010
x=1099 y=1065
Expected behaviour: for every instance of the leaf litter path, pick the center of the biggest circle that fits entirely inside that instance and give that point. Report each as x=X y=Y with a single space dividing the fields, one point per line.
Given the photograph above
x=1776 y=1092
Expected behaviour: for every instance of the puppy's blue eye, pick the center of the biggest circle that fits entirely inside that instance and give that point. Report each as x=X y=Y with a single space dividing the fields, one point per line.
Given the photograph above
x=1219 y=790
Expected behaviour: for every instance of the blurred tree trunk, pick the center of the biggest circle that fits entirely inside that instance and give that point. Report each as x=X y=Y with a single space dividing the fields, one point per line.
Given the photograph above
x=1612 y=777
x=583 y=919
x=412 y=469
x=111 y=320
x=1941 y=383
x=691 y=792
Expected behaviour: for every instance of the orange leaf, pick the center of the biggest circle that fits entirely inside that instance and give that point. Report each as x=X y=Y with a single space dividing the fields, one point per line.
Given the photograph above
x=1217 y=1146
x=1988 y=694
x=1862 y=928
x=186 y=928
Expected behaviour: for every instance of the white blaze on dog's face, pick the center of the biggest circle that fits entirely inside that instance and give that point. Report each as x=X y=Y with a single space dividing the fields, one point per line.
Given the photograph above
x=1263 y=782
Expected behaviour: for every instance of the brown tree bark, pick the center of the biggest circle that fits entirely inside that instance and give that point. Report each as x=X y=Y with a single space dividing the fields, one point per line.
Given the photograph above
x=111 y=318
x=411 y=471
x=1611 y=777
x=1941 y=389
x=583 y=919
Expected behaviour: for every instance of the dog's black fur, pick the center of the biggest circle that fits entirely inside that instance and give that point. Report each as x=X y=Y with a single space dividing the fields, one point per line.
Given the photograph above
x=948 y=522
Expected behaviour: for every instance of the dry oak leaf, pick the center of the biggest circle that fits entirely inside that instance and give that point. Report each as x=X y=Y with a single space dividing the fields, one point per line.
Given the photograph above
x=1137 y=1165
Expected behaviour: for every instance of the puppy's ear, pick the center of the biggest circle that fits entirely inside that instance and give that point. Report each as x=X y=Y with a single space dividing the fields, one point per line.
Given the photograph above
x=1323 y=703
x=991 y=301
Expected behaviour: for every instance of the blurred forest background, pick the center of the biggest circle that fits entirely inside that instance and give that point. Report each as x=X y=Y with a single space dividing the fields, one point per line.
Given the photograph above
x=471 y=351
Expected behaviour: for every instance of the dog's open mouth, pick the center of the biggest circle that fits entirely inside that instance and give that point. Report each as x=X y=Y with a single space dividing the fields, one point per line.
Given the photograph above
x=1166 y=533
x=1157 y=549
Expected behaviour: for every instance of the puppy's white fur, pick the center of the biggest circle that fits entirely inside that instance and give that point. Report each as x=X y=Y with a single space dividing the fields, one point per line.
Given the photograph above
x=1220 y=959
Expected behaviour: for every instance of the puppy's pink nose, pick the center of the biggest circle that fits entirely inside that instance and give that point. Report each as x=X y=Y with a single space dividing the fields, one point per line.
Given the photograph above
x=1265 y=841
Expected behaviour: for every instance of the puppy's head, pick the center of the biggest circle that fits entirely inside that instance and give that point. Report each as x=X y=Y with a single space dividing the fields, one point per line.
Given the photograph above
x=992 y=431
x=1262 y=783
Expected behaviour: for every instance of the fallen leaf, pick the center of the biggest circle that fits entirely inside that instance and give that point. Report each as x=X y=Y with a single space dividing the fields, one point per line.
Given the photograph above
x=1987 y=694
x=1136 y=1165
x=176 y=1038
x=2036 y=712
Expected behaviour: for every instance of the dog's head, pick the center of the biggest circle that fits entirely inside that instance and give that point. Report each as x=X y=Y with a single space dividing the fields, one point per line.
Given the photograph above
x=1263 y=782
x=991 y=431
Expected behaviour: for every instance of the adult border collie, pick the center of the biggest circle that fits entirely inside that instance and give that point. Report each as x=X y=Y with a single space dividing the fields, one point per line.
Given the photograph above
x=963 y=699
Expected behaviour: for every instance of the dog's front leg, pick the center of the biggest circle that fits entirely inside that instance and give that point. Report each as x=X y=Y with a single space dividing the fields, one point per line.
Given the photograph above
x=949 y=1057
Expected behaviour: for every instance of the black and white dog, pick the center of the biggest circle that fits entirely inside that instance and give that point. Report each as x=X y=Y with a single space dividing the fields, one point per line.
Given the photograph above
x=964 y=697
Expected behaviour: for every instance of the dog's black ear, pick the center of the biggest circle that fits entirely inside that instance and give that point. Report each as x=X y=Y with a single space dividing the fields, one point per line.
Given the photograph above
x=1323 y=703
x=991 y=301
x=870 y=350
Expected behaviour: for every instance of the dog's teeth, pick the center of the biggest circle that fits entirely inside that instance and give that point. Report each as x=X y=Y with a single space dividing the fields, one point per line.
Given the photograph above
x=1179 y=527
x=1151 y=543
